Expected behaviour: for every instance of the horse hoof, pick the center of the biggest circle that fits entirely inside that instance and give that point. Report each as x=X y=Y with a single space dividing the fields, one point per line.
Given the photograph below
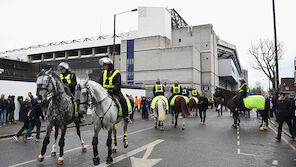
x=155 y=127
x=84 y=149
x=175 y=126
x=60 y=161
x=114 y=150
x=40 y=158
x=53 y=154
x=125 y=145
x=261 y=128
x=183 y=128
x=96 y=161
x=109 y=160
x=173 y=123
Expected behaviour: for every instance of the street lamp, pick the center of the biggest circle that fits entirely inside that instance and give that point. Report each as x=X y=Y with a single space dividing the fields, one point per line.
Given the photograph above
x=113 y=50
x=276 y=52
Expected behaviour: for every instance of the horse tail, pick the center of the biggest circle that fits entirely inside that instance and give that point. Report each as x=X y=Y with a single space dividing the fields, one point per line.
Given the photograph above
x=160 y=109
x=191 y=104
x=184 y=107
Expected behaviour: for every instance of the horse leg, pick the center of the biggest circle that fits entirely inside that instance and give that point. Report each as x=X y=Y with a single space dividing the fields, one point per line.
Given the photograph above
x=95 y=142
x=162 y=127
x=54 y=149
x=109 y=159
x=234 y=115
x=61 y=144
x=125 y=143
x=77 y=124
x=155 y=118
x=114 y=149
x=45 y=143
x=176 y=119
x=172 y=118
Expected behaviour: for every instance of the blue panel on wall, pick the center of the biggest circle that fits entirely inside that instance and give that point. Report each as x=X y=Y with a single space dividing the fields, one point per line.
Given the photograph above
x=130 y=61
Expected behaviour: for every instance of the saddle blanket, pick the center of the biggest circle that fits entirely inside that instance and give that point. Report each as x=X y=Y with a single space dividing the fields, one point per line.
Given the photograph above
x=153 y=103
x=129 y=106
x=254 y=101
x=196 y=99
x=172 y=102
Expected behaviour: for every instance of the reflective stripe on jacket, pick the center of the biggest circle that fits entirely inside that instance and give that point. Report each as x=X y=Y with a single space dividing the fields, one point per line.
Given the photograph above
x=176 y=89
x=68 y=78
x=110 y=79
x=158 y=88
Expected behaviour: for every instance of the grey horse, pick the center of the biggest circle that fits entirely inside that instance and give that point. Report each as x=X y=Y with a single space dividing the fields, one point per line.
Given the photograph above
x=105 y=115
x=159 y=113
x=60 y=111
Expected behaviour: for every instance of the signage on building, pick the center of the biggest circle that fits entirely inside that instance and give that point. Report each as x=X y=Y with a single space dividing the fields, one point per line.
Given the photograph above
x=130 y=61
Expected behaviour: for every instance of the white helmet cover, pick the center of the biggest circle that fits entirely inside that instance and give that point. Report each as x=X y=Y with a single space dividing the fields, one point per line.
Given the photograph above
x=63 y=65
x=105 y=60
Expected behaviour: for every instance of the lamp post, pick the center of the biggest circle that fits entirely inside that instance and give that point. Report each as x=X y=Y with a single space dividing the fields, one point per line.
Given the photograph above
x=276 y=52
x=113 y=50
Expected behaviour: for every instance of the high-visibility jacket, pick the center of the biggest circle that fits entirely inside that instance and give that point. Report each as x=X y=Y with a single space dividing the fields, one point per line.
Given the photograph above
x=184 y=92
x=243 y=88
x=158 y=88
x=109 y=84
x=194 y=92
x=176 y=89
x=68 y=78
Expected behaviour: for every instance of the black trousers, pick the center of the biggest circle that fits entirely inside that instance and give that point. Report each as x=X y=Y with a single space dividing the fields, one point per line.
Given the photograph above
x=123 y=104
x=280 y=122
x=25 y=126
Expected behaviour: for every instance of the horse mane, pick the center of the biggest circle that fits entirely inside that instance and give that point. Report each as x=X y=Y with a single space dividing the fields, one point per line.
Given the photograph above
x=97 y=87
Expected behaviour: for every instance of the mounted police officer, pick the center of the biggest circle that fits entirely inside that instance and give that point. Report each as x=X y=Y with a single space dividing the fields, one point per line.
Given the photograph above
x=176 y=90
x=158 y=89
x=242 y=93
x=67 y=77
x=111 y=80
x=194 y=93
x=185 y=92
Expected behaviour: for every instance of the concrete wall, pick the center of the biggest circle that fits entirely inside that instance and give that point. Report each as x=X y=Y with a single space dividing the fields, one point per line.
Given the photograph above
x=154 y=21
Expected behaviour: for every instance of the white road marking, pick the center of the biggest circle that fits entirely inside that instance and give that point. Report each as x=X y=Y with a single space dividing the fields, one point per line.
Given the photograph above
x=275 y=162
x=34 y=160
x=131 y=153
x=247 y=154
x=238 y=151
x=238 y=137
x=238 y=143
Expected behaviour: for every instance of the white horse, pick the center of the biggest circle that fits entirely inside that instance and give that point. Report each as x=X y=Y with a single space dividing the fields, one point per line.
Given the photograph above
x=105 y=115
x=159 y=113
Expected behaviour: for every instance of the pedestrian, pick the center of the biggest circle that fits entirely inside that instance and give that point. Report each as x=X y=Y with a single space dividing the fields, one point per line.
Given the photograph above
x=136 y=104
x=26 y=106
x=3 y=107
x=291 y=98
x=284 y=110
x=30 y=95
x=10 y=110
x=273 y=101
x=203 y=104
x=34 y=119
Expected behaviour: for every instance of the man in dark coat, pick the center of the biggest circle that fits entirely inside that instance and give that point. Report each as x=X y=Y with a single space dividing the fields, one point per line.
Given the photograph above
x=3 y=110
x=26 y=106
x=284 y=110
x=203 y=104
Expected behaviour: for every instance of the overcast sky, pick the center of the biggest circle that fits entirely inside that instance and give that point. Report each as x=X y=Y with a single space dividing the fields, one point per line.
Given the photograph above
x=240 y=22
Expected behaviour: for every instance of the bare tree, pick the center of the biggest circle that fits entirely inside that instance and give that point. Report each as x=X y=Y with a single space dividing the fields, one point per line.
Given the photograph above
x=263 y=55
x=258 y=89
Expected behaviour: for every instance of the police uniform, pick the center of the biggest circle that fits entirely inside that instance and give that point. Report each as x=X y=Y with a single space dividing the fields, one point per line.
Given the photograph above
x=184 y=92
x=242 y=93
x=158 y=90
x=69 y=79
x=194 y=93
x=175 y=90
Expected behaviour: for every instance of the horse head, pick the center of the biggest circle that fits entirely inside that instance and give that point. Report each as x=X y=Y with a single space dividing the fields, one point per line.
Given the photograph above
x=217 y=92
x=46 y=84
x=84 y=96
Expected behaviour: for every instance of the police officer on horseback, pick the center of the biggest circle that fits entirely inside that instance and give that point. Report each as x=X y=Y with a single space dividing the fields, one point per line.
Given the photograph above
x=194 y=93
x=185 y=92
x=67 y=77
x=158 y=89
x=111 y=80
x=243 y=92
x=176 y=90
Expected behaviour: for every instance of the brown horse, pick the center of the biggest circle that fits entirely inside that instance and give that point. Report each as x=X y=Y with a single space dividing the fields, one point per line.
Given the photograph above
x=180 y=106
x=192 y=106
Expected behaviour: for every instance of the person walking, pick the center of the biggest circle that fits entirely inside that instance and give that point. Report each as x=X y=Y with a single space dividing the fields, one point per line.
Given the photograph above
x=203 y=104
x=284 y=110
x=34 y=120
x=26 y=106
x=10 y=109
x=3 y=112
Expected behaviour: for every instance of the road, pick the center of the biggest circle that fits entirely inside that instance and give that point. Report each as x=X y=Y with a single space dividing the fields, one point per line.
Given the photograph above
x=213 y=144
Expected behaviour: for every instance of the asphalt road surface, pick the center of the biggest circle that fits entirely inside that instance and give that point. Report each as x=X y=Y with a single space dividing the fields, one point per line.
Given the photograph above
x=213 y=144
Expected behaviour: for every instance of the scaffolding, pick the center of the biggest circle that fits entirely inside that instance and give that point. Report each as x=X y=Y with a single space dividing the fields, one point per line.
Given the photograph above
x=177 y=20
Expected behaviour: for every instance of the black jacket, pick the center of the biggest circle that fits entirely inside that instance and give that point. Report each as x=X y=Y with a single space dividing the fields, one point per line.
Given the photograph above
x=73 y=81
x=11 y=105
x=284 y=108
x=36 y=111
x=203 y=103
x=3 y=104
x=25 y=108
x=177 y=93
x=116 y=81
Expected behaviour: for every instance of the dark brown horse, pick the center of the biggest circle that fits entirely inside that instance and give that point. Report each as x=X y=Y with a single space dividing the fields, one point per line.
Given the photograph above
x=180 y=106
x=228 y=99
x=192 y=106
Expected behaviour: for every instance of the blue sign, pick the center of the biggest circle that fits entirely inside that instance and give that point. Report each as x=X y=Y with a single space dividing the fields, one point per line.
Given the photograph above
x=130 y=61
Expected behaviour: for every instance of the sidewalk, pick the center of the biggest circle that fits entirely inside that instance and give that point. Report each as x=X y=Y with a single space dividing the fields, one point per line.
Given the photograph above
x=11 y=130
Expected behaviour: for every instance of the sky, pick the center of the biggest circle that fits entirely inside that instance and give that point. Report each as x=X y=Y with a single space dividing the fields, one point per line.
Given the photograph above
x=240 y=22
